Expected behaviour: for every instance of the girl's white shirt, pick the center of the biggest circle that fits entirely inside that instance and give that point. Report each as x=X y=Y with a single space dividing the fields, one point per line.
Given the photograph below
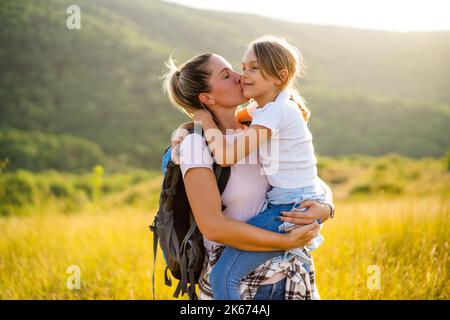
x=287 y=158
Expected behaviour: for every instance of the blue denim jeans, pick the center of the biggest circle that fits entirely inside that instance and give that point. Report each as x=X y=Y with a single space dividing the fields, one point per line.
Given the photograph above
x=273 y=291
x=234 y=264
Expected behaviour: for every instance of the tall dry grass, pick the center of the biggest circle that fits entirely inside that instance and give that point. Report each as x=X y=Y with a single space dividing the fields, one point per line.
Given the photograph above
x=407 y=238
x=389 y=239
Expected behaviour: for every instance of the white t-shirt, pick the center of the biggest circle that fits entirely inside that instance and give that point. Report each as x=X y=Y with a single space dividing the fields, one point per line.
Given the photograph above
x=288 y=157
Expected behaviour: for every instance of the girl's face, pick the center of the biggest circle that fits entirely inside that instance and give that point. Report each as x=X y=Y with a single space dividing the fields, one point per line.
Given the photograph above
x=253 y=83
x=226 y=90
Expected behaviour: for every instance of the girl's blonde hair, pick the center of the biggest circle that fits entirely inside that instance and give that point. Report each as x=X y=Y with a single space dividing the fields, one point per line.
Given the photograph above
x=183 y=84
x=275 y=54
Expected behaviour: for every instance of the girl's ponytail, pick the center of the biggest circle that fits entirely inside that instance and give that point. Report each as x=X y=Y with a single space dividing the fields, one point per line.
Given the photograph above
x=298 y=99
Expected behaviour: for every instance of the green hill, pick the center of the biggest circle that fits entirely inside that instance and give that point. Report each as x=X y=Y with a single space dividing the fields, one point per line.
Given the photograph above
x=370 y=92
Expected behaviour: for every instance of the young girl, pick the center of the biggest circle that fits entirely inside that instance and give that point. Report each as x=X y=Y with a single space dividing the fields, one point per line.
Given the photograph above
x=280 y=134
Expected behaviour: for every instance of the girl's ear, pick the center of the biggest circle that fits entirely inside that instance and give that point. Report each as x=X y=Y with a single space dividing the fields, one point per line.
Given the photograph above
x=206 y=99
x=283 y=75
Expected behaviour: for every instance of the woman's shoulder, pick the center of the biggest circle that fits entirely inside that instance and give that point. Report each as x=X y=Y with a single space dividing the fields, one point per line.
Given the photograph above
x=194 y=139
x=193 y=143
x=194 y=152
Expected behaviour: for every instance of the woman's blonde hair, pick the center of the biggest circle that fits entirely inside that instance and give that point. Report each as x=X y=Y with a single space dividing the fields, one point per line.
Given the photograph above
x=275 y=54
x=183 y=84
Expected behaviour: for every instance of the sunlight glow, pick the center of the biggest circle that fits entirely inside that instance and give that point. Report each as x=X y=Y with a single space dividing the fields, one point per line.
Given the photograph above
x=389 y=15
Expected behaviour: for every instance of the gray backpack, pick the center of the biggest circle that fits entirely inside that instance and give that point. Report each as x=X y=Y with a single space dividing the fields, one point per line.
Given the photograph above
x=175 y=227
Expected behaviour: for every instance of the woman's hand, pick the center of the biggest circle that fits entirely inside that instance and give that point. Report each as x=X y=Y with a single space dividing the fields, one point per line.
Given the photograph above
x=300 y=236
x=314 y=212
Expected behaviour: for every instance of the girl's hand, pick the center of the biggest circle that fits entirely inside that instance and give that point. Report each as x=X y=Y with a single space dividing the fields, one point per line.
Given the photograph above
x=300 y=236
x=180 y=133
x=246 y=114
x=243 y=116
x=200 y=115
x=314 y=211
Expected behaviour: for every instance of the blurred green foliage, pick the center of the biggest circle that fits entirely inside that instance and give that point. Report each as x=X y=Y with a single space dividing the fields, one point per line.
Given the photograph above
x=350 y=177
x=24 y=192
x=75 y=98
x=38 y=151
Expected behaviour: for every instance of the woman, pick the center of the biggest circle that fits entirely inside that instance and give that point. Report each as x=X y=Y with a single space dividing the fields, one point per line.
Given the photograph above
x=209 y=82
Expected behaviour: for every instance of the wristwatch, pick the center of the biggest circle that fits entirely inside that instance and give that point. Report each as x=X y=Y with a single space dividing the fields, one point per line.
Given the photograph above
x=331 y=205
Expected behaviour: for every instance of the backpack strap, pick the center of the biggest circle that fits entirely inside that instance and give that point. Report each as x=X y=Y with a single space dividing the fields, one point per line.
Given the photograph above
x=187 y=276
x=178 y=289
x=191 y=290
x=182 y=284
x=222 y=176
x=195 y=251
x=167 y=280
x=155 y=250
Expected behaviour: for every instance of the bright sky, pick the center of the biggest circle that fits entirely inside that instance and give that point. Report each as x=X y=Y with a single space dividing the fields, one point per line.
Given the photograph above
x=390 y=15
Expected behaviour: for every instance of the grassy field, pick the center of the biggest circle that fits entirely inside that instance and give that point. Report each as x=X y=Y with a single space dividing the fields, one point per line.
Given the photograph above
x=382 y=245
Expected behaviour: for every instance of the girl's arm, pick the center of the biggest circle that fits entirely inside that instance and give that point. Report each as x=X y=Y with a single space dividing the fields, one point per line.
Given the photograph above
x=228 y=153
x=205 y=201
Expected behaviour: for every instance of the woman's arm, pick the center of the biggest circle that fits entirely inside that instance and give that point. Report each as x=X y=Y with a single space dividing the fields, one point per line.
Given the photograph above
x=205 y=201
x=228 y=153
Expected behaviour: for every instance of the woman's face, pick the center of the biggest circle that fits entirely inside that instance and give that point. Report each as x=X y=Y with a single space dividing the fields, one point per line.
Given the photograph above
x=225 y=83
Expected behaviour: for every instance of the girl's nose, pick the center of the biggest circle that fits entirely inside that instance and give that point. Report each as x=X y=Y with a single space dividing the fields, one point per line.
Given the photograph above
x=237 y=76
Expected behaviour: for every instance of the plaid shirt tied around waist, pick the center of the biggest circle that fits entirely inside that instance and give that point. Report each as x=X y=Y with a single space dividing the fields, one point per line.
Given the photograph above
x=297 y=265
